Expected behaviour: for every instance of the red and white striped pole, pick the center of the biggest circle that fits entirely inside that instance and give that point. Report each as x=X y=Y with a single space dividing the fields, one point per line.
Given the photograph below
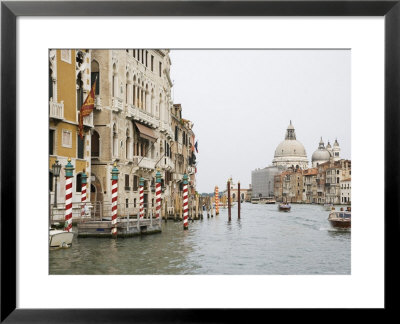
x=185 y=202
x=114 y=200
x=83 y=193
x=158 y=194
x=141 y=198
x=69 y=168
x=216 y=200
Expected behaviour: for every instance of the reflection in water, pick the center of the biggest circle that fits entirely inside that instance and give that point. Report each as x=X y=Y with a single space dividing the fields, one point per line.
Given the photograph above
x=263 y=241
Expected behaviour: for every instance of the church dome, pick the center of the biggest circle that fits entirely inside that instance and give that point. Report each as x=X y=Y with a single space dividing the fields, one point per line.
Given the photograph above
x=321 y=154
x=290 y=152
x=290 y=148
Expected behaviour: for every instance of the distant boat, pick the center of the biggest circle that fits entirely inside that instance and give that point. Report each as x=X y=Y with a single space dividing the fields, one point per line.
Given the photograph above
x=60 y=238
x=255 y=200
x=284 y=207
x=269 y=200
x=328 y=207
x=341 y=219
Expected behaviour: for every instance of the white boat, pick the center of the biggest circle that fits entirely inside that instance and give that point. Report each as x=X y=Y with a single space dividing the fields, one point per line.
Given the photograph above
x=340 y=219
x=328 y=207
x=60 y=238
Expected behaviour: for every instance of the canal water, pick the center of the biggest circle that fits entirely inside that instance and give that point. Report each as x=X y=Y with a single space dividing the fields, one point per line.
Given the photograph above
x=264 y=241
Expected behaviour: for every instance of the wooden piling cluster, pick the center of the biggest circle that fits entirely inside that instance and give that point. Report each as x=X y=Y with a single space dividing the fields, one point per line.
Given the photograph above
x=172 y=210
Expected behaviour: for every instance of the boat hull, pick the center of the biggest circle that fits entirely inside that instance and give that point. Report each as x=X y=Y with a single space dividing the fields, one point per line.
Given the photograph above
x=60 y=239
x=284 y=208
x=340 y=223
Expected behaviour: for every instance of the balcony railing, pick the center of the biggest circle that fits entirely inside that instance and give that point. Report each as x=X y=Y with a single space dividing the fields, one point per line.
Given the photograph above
x=177 y=176
x=167 y=163
x=117 y=104
x=97 y=103
x=166 y=128
x=141 y=116
x=56 y=109
x=144 y=162
x=88 y=120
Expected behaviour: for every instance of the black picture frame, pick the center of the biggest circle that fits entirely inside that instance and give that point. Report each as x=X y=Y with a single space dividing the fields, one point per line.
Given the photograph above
x=10 y=10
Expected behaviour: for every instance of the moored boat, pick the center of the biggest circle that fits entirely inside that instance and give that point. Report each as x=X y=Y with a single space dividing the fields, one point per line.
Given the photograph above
x=270 y=200
x=60 y=238
x=284 y=207
x=341 y=219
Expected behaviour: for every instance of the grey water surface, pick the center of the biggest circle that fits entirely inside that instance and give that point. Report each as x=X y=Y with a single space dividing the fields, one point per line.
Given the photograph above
x=264 y=241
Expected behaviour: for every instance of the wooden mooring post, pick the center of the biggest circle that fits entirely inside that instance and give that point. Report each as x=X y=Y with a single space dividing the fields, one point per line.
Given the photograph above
x=239 y=199
x=229 y=200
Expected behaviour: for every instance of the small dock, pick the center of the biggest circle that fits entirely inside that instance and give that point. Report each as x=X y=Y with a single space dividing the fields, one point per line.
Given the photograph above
x=125 y=227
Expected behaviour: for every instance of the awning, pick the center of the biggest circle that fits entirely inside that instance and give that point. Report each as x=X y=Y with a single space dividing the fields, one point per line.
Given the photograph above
x=146 y=132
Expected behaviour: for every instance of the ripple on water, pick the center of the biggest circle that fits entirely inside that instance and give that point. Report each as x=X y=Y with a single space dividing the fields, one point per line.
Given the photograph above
x=263 y=241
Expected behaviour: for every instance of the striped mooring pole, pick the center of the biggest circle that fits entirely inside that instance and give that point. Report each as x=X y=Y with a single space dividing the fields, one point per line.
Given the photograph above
x=185 y=202
x=158 y=195
x=141 y=198
x=216 y=193
x=83 y=193
x=69 y=168
x=114 y=199
x=229 y=199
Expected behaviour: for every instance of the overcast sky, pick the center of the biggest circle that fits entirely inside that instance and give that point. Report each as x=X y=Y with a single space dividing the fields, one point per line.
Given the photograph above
x=241 y=102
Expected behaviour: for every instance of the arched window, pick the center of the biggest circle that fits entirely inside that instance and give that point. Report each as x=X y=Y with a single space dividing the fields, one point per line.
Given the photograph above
x=95 y=148
x=78 y=182
x=128 y=146
x=114 y=82
x=95 y=73
x=79 y=92
x=115 y=141
x=50 y=180
x=128 y=88
x=146 y=99
x=50 y=84
x=152 y=102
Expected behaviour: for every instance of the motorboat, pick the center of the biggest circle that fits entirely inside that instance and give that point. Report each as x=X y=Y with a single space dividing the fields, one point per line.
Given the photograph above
x=284 y=207
x=341 y=219
x=328 y=207
x=60 y=238
x=270 y=200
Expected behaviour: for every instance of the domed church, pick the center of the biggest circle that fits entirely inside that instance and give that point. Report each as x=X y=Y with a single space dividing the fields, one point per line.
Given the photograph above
x=323 y=154
x=290 y=152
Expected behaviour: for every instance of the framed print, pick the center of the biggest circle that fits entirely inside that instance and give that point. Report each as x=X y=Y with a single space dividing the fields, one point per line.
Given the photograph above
x=193 y=152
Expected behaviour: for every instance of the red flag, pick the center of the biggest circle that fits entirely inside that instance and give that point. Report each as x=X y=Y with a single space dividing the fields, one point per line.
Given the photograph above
x=87 y=107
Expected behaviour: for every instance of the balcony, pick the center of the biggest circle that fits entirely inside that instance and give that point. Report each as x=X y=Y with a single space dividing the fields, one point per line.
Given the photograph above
x=141 y=116
x=178 y=177
x=97 y=103
x=56 y=109
x=167 y=163
x=88 y=120
x=116 y=104
x=166 y=128
x=144 y=162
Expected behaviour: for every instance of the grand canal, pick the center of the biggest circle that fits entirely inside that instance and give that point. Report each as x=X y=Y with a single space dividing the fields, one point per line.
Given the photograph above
x=264 y=241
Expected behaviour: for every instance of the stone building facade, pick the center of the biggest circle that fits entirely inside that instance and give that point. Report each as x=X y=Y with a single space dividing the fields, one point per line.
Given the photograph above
x=131 y=125
x=69 y=84
x=319 y=185
x=262 y=181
